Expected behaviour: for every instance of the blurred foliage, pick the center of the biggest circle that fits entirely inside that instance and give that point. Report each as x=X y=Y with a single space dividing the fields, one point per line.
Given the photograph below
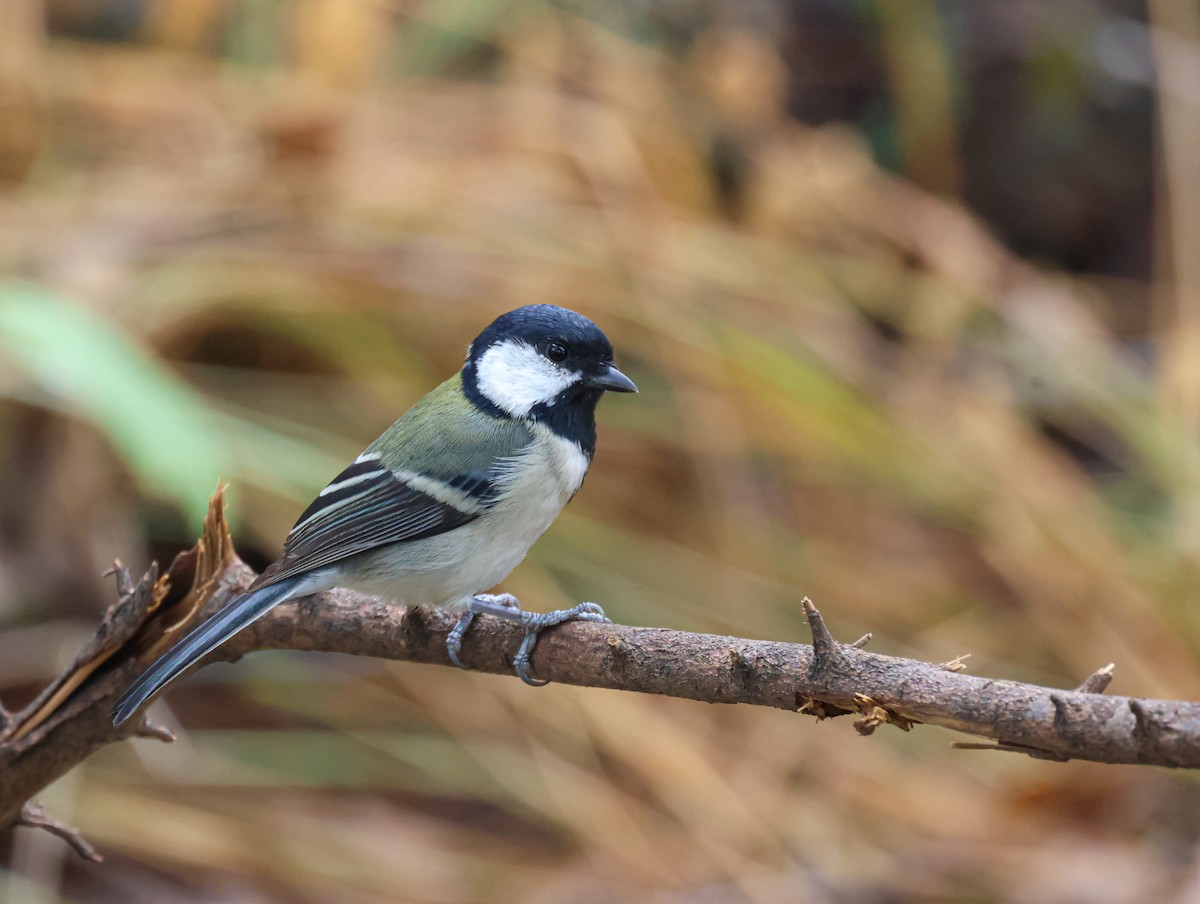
x=913 y=307
x=80 y=361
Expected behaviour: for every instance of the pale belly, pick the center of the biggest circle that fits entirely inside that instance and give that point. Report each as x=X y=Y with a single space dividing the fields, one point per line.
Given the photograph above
x=446 y=569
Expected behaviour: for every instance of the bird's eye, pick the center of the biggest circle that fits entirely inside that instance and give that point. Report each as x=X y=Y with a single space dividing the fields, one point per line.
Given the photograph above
x=556 y=352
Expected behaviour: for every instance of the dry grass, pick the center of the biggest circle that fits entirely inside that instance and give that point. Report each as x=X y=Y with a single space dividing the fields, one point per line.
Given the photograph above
x=846 y=393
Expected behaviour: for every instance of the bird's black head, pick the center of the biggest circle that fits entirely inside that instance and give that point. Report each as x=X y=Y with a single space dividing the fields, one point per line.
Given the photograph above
x=544 y=363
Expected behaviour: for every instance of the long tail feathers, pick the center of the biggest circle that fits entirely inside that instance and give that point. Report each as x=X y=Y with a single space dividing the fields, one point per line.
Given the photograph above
x=201 y=641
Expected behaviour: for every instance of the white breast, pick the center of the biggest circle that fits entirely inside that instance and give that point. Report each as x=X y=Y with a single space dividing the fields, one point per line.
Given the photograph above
x=566 y=460
x=445 y=569
x=543 y=480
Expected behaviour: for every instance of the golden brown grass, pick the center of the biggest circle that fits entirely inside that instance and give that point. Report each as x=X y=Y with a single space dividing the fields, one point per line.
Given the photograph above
x=845 y=394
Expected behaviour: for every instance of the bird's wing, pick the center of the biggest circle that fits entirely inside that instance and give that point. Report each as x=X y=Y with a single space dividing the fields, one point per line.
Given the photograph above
x=372 y=504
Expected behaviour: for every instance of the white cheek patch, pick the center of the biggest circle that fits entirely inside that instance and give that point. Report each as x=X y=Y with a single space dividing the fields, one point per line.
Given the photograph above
x=515 y=377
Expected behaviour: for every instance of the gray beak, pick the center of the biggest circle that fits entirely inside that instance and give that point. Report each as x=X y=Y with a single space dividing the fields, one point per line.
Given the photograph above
x=612 y=380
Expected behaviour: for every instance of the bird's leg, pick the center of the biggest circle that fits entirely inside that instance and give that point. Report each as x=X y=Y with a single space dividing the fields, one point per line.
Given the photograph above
x=500 y=604
x=507 y=607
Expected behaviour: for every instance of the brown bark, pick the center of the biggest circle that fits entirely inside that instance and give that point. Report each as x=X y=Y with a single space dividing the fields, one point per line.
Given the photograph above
x=70 y=719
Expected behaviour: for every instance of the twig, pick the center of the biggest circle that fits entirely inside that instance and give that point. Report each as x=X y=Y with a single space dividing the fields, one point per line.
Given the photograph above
x=34 y=817
x=125 y=582
x=1035 y=752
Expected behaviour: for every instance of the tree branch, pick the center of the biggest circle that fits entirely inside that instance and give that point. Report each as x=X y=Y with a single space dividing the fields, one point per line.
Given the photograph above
x=70 y=719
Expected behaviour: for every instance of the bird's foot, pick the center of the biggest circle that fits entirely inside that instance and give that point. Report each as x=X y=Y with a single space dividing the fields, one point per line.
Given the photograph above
x=537 y=622
x=507 y=607
x=491 y=603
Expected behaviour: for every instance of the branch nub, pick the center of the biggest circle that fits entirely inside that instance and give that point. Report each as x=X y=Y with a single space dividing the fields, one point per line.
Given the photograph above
x=1098 y=681
x=826 y=651
x=154 y=731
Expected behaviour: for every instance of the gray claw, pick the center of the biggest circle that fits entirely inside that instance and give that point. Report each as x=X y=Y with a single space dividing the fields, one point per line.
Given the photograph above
x=537 y=622
x=501 y=605
x=524 y=659
x=454 y=640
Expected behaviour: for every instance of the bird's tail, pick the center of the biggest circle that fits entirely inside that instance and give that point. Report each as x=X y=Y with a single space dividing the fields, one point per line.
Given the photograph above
x=203 y=640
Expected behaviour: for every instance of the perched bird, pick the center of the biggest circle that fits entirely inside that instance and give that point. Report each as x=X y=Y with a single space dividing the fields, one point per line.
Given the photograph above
x=450 y=498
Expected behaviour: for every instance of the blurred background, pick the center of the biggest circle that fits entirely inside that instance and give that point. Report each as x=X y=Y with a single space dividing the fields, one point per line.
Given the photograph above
x=911 y=291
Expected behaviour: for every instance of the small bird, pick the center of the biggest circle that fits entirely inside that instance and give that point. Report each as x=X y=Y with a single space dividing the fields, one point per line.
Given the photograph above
x=450 y=498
